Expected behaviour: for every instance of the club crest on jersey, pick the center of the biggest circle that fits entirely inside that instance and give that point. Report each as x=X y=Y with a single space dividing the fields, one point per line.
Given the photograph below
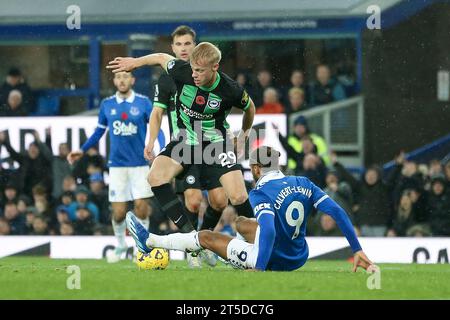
x=213 y=104
x=190 y=179
x=134 y=111
x=170 y=64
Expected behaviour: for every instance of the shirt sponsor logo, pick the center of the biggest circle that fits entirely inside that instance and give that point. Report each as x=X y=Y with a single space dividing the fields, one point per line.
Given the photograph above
x=197 y=115
x=261 y=206
x=122 y=129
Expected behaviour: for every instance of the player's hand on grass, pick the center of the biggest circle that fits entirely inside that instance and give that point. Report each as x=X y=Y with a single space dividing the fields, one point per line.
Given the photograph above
x=120 y=64
x=360 y=260
x=74 y=156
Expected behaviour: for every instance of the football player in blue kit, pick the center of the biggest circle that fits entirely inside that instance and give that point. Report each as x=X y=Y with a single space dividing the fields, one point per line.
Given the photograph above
x=276 y=240
x=126 y=115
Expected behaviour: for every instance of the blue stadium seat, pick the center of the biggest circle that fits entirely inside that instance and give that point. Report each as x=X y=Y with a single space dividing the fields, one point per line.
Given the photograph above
x=47 y=106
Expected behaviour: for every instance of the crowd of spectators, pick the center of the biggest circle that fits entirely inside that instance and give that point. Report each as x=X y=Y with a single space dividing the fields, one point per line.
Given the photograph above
x=300 y=94
x=44 y=195
x=411 y=199
x=17 y=99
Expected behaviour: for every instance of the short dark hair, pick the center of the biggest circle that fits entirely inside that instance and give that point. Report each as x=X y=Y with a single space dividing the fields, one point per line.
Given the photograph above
x=14 y=72
x=184 y=30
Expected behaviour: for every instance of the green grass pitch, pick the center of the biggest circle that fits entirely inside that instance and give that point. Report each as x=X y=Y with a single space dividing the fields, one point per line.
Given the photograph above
x=44 y=278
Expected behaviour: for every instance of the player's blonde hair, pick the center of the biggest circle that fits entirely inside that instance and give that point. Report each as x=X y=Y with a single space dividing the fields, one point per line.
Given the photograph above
x=206 y=52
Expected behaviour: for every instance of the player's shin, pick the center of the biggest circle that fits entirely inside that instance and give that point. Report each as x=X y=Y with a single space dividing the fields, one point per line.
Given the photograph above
x=244 y=209
x=119 y=229
x=210 y=219
x=176 y=241
x=172 y=207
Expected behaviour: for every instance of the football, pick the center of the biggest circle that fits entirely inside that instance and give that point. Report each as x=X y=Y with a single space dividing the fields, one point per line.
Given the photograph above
x=157 y=259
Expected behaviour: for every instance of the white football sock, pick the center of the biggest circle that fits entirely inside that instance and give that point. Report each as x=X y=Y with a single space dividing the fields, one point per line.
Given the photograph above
x=175 y=241
x=119 y=231
x=240 y=237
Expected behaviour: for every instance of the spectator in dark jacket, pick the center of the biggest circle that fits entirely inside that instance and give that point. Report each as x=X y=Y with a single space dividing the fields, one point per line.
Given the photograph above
x=10 y=194
x=439 y=207
x=405 y=217
x=99 y=196
x=40 y=226
x=89 y=163
x=373 y=213
x=15 y=219
x=339 y=191
x=325 y=89
x=13 y=106
x=60 y=166
x=35 y=165
x=263 y=81
x=404 y=176
x=84 y=223
x=15 y=81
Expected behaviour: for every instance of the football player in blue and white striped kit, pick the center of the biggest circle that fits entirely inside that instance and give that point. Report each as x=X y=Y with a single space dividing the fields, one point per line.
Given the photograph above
x=276 y=240
x=126 y=115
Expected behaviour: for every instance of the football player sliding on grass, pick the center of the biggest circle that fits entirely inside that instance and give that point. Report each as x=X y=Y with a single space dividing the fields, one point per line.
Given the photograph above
x=276 y=239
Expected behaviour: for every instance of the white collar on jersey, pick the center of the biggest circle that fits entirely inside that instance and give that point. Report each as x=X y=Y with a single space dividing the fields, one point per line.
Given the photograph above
x=130 y=99
x=271 y=175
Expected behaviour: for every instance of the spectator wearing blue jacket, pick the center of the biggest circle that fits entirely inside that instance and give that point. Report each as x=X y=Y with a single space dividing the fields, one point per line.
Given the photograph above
x=81 y=200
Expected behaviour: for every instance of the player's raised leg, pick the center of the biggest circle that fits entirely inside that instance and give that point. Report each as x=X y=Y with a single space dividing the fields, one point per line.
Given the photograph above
x=218 y=201
x=163 y=170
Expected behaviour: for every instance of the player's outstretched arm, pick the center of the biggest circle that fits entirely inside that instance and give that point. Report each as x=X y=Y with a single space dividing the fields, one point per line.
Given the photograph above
x=329 y=206
x=128 y=64
x=247 y=123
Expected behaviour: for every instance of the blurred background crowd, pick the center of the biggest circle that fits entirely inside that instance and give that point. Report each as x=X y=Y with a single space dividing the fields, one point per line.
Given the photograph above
x=44 y=195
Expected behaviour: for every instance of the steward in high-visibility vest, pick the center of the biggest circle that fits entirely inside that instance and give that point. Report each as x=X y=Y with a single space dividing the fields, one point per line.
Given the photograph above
x=295 y=141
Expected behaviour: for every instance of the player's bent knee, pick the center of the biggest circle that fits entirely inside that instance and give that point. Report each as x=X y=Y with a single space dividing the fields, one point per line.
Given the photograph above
x=238 y=199
x=156 y=179
x=239 y=220
x=219 y=205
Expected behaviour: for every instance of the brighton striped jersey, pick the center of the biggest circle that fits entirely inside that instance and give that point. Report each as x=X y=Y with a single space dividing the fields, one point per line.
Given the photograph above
x=203 y=110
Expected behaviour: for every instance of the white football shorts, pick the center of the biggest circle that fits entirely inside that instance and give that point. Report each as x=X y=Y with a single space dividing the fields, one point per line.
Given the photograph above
x=241 y=254
x=128 y=184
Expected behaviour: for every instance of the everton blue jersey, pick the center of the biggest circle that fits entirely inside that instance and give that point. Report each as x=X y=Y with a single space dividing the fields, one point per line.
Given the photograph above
x=289 y=200
x=127 y=121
